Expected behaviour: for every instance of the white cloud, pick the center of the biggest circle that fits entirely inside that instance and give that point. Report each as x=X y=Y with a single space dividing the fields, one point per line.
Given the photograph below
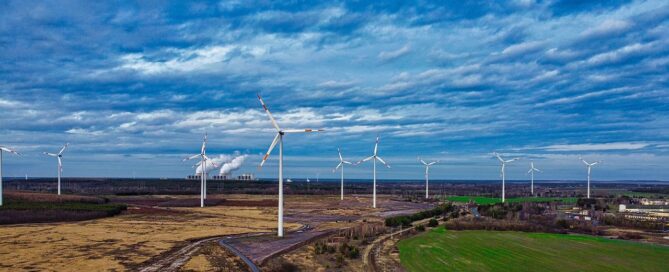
x=391 y=55
x=596 y=147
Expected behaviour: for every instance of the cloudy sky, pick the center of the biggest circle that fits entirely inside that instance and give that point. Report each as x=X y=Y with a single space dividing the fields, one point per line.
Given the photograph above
x=133 y=86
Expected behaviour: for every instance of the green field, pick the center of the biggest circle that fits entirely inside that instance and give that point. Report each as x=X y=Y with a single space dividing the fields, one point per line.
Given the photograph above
x=493 y=200
x=442 y=250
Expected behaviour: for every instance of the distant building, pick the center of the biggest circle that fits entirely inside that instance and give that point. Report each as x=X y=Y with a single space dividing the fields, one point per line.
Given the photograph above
x=245 y=176
x=644 y=212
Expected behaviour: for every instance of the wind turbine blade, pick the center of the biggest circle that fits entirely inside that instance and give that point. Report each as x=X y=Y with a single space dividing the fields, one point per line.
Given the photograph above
x=302 y=130
x=382 y=161
x=498 y=156
x=512 y=160
x=432 y=163
x=63 y=149
x=376 y=145
x=192 y=157
x=364 y=160
x=537 y=170
x=204 y=144
x=276 y=140
x=340 y=158
x=347 y=162
x=7 y=149
x=530 y=171
x=338 y=165
x=422 y=161
x=50 y=154
x=269 y=114
x=594 y=163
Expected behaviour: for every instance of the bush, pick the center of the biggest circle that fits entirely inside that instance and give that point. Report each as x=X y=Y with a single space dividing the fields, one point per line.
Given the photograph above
x=433 y=223
x=349 y=251
x=420 y=228
x=405 y=220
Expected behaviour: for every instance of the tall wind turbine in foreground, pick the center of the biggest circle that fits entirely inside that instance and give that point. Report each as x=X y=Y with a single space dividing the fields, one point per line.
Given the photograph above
x=374 y=158
x=279 y=139
x=4 y=149
x=531 y=172
x=589 y=165
x=341 y=164
x=427 y=174
x=203 y=162
x=59 y=156
x=503 y=162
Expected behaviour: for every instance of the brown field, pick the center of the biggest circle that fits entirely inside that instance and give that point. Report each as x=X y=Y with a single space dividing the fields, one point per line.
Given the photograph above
x=125 y=241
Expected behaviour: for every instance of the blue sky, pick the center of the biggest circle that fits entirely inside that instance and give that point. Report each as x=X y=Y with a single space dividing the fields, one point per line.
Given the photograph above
x=133 y=86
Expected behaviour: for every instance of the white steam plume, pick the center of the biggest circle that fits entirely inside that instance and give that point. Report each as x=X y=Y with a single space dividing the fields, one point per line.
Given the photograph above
x=233 y=165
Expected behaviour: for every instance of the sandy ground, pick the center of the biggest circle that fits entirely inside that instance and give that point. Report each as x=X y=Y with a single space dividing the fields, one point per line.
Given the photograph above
x=123 y=242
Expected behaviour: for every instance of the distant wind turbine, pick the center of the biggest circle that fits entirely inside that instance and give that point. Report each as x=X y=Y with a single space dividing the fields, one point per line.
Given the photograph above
x=203 y=161
x=374 y=158
x=427 y=174
x=341 y=164
x=531 y=172
x=279 y=139
x=589 y=165
x=9 y=150
x=503 y=162
x=59 y=156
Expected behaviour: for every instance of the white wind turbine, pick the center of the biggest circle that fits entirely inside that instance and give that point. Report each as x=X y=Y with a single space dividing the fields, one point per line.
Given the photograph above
x=503 y=162
x=374 y=158
x=59 y=156
x=427 y=174
x=589 y=165
x=531 y=172
x=203 y=162
x=4 y=149
x=341 y=164
x=279 y=139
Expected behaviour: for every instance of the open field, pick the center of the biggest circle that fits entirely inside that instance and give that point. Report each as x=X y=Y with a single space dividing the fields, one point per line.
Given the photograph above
x=492 y=200
x=442 y=250
x=123 y=242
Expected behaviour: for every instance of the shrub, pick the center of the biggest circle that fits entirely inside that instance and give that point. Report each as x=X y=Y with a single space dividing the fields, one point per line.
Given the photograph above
x=433 y=223
x=420 y=228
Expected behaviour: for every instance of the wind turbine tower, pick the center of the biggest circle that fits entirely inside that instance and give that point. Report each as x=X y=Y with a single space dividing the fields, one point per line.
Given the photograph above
x=374 y=158
x=203 y=162
x=427 y=175
x=503 y=163
x=341 y=165
x=531 y=172
x=589 y=166
x=2 y=150
x=279 y=139
x=59 y=156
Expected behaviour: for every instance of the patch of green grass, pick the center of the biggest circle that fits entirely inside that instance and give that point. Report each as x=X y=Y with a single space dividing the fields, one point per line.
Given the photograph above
x=491 y=200
x=442 y=250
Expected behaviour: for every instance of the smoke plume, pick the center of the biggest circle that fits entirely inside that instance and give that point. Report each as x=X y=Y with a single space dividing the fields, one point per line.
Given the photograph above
x=232 y=165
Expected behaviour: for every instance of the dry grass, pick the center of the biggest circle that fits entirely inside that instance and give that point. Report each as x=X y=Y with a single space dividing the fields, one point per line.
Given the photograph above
x=122 y=242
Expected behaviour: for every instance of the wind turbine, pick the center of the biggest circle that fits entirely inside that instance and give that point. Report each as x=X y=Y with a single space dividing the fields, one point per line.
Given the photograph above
x=203 y=162
x=531 y=172
x=279 y=139
x=341 y=164
x=4 y=149
x=589 y=165
x=59 y=156
x=503 y=162
x=374 y=158
x=427 y=174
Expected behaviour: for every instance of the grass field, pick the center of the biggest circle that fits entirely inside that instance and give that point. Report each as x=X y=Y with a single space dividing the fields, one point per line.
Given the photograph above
x=442 y=250
x=492 y=200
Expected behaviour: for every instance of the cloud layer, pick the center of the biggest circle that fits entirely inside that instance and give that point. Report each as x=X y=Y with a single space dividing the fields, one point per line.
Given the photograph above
x=133 y=85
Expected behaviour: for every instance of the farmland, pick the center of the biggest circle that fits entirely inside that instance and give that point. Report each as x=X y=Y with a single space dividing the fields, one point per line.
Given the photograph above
x=442 y=250
x=491 y=200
